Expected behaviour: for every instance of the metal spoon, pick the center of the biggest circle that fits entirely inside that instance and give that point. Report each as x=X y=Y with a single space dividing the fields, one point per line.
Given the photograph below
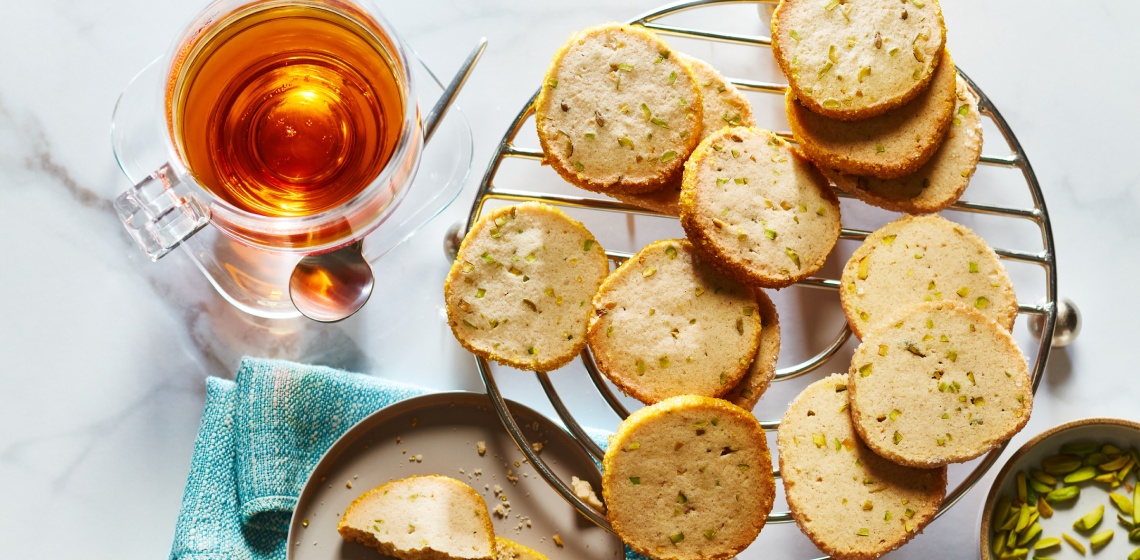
x=332 y=286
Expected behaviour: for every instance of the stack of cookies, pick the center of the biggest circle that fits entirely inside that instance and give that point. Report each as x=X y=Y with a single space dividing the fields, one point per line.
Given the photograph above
x=874 y=99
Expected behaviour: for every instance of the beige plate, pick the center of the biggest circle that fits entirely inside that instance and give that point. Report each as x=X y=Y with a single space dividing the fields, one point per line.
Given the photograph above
x=447 y=427
x=1122 y=433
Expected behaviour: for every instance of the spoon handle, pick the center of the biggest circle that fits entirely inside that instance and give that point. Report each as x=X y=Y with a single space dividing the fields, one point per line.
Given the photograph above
x=448 y=95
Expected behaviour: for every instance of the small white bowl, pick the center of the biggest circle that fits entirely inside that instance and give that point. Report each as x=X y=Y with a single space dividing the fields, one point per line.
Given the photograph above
x=1122 y=433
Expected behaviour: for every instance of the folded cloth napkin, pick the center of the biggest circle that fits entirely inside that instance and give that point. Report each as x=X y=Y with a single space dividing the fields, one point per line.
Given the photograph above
x=260 y=437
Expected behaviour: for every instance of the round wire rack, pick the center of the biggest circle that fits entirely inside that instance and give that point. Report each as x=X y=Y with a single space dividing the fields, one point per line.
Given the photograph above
x=1042 y=313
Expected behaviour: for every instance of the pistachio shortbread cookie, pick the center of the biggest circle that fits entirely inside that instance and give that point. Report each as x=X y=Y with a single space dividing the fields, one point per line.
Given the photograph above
x=851 y=503
x=667 y=324
x=942 y=180
x=760 y=212
x=938 y=383
x=724 y=105
x=617 y=112
x=666 y=200
x=511 y=550
x=760 y=374
x=923 y=258
x=519 y=290
x=688 y=478
x=887 y=146
x=852 y=60
x=421 y=517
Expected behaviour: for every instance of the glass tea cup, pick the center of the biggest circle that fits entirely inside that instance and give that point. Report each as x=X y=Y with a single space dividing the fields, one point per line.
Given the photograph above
x=291 y=126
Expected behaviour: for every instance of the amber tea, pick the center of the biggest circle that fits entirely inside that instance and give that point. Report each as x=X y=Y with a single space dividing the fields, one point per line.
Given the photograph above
x=285 y=109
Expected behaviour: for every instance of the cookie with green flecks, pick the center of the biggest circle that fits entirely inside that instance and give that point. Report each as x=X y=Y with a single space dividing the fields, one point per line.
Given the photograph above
x=422 y=517
x=724 y=105
x=923 y=258
x=852 y=60
x=759 y=211
x=886 y=146
x=617 y=112
x=851 y=503
x=519 y=290
x=760 y=374
x=688 y=478
x=938 y=183
x=665 y=323
x=938 y=383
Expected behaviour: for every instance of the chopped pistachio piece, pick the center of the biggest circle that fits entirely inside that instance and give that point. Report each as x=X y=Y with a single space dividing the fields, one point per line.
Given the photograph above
x=1074 y=543
x=1100 y=539
x=1090 y=520
x=636 y=480
x=864 y=267
x=668 y=156
x=792 y=255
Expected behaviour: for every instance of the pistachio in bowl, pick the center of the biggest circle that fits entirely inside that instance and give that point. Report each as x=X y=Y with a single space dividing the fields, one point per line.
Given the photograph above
x=1067 y=492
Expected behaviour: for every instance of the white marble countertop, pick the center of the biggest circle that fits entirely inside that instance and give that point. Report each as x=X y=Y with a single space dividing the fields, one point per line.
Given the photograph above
x=103 y=355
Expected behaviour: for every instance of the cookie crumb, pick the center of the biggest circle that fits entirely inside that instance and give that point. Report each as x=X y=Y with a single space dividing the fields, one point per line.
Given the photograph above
x=348 y=484
x=585 y=491
x=481 y=447
x=558 y=540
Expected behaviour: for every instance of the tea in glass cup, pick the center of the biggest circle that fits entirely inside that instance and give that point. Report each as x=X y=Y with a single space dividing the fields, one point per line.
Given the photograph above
x=292 y=126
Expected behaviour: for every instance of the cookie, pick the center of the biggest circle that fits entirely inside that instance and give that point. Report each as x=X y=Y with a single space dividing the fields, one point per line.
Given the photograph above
x=667 y=324
x=938 y=183
x=511 y=550
x=723 y=104
x=666 y=200
x=617 y=112
x=888 y=146
x=854 y=60
x=519 y=290
x=687 y=478
x=760 y=374
x=421 y=518
x=939 y=383
x=923 y=258
x=758 y=210
x=851 y=503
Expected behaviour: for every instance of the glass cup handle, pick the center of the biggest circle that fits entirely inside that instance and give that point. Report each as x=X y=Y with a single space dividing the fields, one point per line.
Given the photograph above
x=160 y=212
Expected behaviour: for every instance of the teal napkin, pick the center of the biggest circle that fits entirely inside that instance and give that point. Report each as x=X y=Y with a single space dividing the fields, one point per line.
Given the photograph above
x=260 y=437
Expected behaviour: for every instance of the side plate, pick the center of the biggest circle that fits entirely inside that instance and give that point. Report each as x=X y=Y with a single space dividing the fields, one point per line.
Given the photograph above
x=438 y=434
